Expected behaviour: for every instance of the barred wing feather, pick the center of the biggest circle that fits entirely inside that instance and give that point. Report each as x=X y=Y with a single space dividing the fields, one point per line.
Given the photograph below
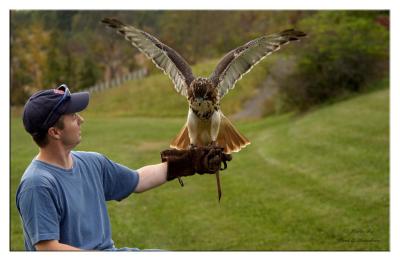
x=241 y=60
x=164 y=57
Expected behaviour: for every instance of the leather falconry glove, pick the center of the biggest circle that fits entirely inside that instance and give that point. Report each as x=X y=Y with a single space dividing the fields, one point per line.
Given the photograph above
x=194 y=160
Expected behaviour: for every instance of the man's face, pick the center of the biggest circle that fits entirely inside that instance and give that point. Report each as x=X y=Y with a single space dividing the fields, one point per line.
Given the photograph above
x=71 y=134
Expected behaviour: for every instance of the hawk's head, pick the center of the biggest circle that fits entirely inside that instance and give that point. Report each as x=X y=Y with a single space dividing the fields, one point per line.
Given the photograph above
x=202 y=89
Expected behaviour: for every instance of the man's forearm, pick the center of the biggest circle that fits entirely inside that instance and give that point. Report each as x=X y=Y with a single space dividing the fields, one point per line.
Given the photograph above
x=54 y=245
x=151 y=176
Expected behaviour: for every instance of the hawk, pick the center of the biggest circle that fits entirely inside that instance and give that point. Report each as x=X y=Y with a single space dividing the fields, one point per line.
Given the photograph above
x=206 y=124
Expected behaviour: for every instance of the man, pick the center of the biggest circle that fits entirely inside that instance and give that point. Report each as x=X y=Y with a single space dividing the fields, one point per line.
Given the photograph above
x=62 y=195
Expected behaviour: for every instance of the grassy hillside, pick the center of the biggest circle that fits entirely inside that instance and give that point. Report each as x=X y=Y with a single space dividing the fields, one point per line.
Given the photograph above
x=315 y=182
x=155 y=95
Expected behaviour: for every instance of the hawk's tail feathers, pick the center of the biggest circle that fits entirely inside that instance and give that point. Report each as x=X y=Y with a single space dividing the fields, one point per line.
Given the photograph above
x=181 y=141
x=229 y=137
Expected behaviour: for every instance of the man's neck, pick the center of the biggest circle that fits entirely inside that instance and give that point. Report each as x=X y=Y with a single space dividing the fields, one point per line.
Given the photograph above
x=57 y=156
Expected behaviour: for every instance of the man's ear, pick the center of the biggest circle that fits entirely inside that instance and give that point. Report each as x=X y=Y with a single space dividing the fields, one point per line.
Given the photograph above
x=54 y=133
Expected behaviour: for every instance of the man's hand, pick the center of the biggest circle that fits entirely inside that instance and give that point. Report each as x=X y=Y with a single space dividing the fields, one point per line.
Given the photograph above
x=194 y=160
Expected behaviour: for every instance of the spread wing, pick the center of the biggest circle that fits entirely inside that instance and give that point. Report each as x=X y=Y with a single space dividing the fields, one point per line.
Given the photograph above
x=164 y=57
x=241 y=60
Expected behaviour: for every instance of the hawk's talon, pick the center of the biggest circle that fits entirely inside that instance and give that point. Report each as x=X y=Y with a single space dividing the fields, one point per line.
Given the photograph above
x=225 y=165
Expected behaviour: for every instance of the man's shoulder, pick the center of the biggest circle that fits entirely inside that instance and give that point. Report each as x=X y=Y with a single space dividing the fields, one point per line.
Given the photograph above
x=36 y=176
x=89 y=158
x=91 y=155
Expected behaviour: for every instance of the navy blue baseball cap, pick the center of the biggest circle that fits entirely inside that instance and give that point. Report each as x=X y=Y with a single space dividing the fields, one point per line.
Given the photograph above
x=44 y=108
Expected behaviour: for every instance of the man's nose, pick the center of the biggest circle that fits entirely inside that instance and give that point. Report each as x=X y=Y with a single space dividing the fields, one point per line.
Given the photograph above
x=81 y=119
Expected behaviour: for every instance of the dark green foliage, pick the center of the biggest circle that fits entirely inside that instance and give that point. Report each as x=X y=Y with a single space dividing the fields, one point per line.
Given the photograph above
x=76 y=38
x=54 y=61
x=343 y=52
x=18 y=79
x=88 y=74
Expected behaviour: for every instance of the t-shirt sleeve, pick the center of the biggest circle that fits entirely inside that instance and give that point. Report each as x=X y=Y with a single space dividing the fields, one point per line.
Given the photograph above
x=38 y=210
x=118 y=181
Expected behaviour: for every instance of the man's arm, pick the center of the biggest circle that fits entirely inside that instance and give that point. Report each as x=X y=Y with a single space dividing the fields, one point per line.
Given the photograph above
x=54 y=245
x=181 y=163
x=151 y=176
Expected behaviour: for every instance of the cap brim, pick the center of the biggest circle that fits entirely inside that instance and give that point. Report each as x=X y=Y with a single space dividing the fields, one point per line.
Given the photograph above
x=78 y=102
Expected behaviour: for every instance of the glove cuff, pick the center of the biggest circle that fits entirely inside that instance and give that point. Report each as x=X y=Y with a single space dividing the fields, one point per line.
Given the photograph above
x=179 y=167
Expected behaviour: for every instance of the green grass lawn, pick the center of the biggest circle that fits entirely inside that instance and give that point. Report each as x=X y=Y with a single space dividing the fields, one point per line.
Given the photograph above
x=155 y=95
x=319 y=181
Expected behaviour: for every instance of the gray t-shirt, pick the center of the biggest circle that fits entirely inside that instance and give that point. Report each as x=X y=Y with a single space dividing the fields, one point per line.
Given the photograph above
x=70 y=205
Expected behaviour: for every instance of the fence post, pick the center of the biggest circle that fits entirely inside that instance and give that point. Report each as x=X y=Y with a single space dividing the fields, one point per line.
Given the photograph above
x=117 y=81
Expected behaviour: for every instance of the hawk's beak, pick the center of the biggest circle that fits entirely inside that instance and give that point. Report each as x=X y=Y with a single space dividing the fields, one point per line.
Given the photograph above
x=199 y=99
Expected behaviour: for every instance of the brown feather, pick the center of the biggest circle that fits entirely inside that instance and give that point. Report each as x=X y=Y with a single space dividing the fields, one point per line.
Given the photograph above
x=234 y=139
x=229 y=137
x=181 y=141
x=223 y=140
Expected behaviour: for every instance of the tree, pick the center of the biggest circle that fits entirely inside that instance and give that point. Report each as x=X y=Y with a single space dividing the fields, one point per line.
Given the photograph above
x=53 y=70
x=87 y=75
x=28 y=58
x=344 y=51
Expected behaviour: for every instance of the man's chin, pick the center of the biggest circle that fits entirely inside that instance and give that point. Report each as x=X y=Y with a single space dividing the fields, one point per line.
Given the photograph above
x=77 y=142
